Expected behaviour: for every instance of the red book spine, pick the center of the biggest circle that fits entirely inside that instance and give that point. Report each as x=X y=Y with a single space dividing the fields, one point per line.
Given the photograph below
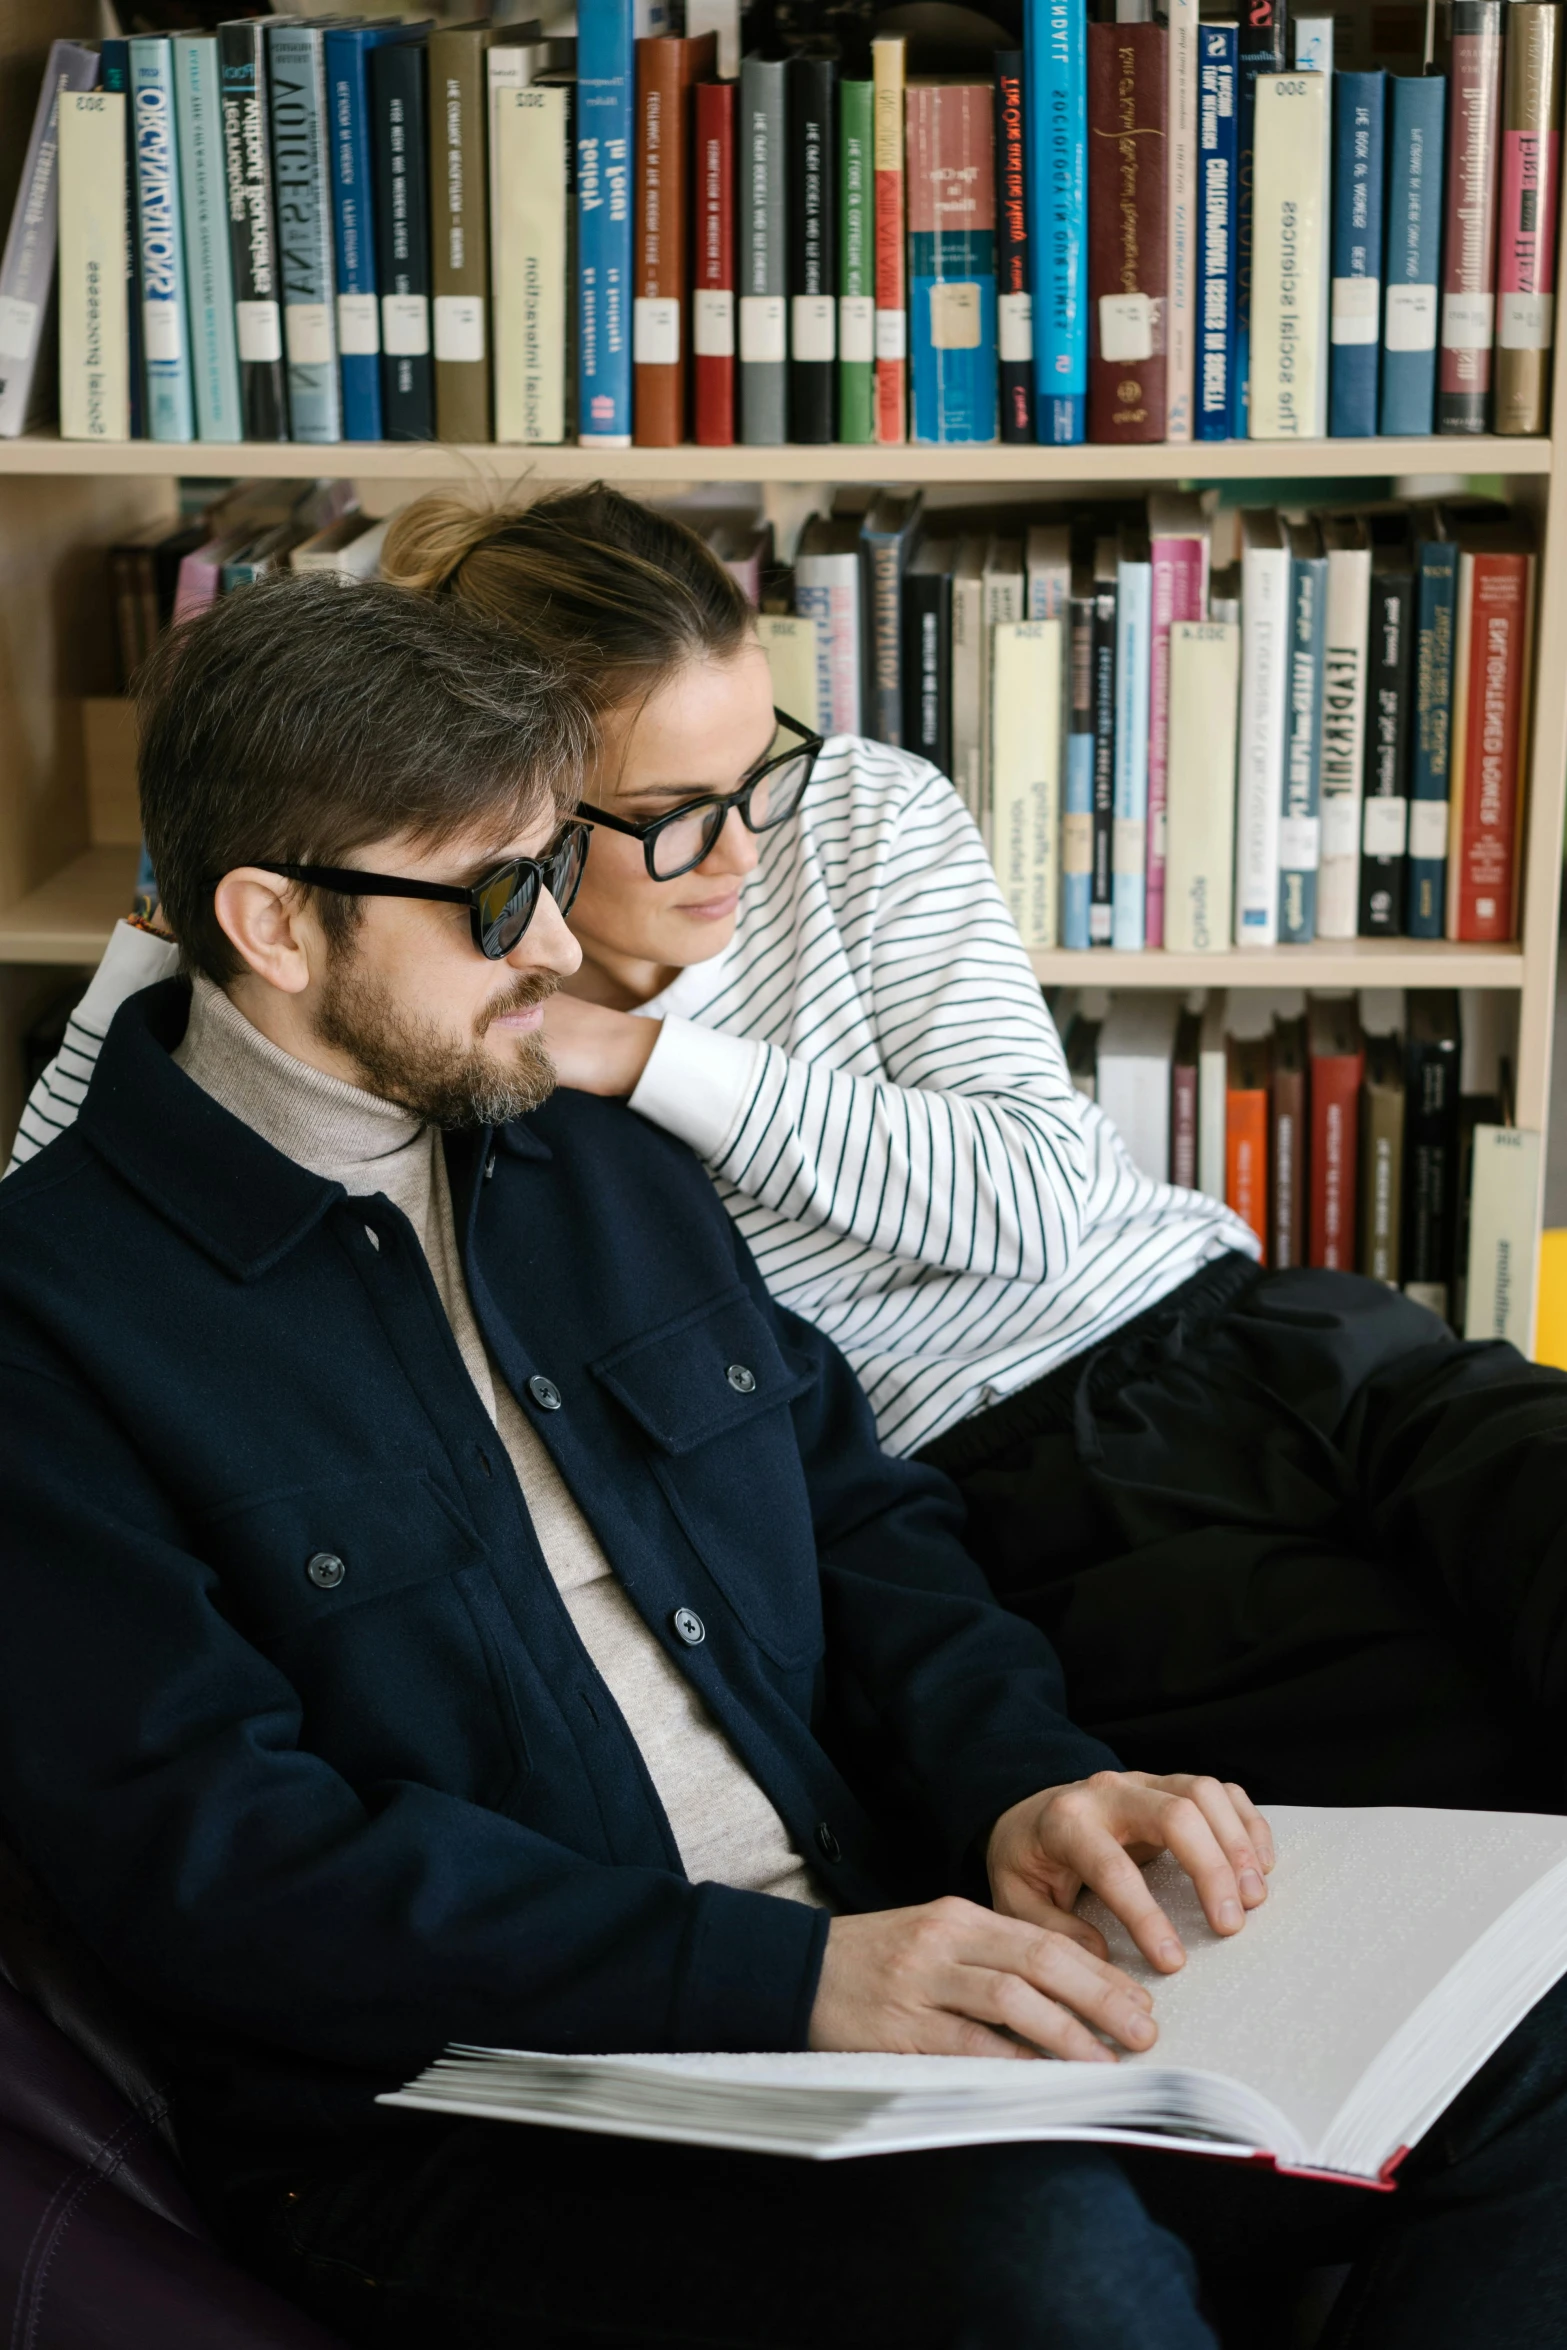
x=713 y=266
x=1128 y=249
x=666 y=68
x=892 y=296
x=1469 y=244
x=1486 y=847
x=1335 y=1150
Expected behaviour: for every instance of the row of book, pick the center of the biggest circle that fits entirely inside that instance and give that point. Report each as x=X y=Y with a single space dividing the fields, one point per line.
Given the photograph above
x=1130 y=230
x=1372 y=1135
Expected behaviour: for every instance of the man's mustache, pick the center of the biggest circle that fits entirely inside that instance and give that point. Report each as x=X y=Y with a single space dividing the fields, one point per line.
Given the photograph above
x=534 y=987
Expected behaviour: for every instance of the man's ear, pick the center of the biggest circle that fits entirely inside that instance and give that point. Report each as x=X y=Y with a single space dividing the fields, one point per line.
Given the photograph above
x=267 y=922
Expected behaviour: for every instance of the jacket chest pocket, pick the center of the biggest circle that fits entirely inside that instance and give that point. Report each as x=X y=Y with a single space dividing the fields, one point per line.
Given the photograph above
x=710 y=1393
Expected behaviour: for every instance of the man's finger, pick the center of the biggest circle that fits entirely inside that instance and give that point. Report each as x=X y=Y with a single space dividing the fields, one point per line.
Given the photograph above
x=1108 y=1870
x=1218 y=1808
x=1257 y=1827
x=1016 y=1898
x=1009 y=2004
x=1184 y=1832
x=1056 y=1963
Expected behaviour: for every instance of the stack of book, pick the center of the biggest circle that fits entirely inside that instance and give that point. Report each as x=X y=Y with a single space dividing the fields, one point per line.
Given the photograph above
x=1132 y=229
x=1368 y=1135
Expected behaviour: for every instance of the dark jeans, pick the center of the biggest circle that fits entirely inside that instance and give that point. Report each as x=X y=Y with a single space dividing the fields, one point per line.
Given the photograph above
x=485 y=2236
x=1285 y=1529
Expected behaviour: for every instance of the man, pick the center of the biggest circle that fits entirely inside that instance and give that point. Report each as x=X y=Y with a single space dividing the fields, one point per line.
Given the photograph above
x=445 y=1599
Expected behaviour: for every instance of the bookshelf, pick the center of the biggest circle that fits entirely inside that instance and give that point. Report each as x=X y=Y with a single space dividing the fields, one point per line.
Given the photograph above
x=65 y=874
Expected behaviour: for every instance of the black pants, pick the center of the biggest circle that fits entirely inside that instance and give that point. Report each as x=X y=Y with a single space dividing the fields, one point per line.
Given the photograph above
x=441 y=2235
x=1286 y=1529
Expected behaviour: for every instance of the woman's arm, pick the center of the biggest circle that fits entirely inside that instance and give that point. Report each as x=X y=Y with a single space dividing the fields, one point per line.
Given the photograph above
x=133 y=959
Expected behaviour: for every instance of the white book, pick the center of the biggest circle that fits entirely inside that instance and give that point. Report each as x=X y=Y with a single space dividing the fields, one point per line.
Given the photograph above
x=1313 y=37
x=1199 y=880
x=529 y=244
x=1213 y=1086
x=1396 y=1950
x=792 y=642
x=349 y=548
x=828 y=576
x=94 y=349
x=1003 y=589
x=1344 y=666
x=1504 y=1202
x=510 y=66
x=1265 y=658
x=723 y=18
x=1027 y=661
x=1047 y=562
x=1133 y=702
x=1136 y=1050
x=1180 y=332
x=970 y=679
x=1289 y=337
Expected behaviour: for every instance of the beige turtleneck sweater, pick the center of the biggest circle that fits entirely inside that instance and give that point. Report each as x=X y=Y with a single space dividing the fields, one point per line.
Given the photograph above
x=724 y=1825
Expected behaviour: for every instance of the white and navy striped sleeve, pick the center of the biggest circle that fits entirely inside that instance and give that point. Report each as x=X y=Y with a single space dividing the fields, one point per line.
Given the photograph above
x=923 y=1107
x=133 y=959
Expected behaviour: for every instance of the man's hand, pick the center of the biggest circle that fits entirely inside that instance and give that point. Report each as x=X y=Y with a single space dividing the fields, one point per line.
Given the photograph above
x=1096 y=1832
x=952 y=1979
x=594 y=1049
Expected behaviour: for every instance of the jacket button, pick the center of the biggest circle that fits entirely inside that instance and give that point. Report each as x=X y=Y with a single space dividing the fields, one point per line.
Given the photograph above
x=489 y=1167
x=740 y=1379
x=827 y=1843
x=544 y=1392
x=690 y=1626
x=326 y=1570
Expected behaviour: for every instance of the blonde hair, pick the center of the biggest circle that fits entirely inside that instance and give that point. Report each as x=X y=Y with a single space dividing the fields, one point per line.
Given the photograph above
x=614 y=592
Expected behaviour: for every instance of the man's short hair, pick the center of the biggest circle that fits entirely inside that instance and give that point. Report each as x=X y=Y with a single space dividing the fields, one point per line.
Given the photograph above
x=299 y=719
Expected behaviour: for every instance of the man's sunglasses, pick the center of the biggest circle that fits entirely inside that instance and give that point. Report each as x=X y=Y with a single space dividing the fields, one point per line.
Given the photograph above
x=678 y=841
x=500 y=907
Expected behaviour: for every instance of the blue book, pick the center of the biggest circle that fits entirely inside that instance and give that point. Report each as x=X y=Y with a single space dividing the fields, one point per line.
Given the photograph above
x=301 y=168
x=1217 y=166
x=171 y=401
x=1300 y=821
x=1133 y=677
x=353 y=221
x=1077 y=794
x=1430 y=764
x=198 y=106
x=1261 y=49
x=606 y=145
x=1411 y=309
x=1056 y=117
x=1359 y=106
x=114 y=73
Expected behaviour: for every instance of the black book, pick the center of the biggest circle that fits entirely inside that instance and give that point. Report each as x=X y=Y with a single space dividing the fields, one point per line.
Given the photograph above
x=1106 y=576
x=398 y=71
x=247 y=164
x=927 y=653
x=1431 y=1072
x=812 y=113
x=1384 y=864
x=1014 y=328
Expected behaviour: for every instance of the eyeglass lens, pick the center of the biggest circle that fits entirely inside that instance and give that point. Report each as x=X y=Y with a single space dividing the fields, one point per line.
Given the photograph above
x=774 y=797
x=508 y=900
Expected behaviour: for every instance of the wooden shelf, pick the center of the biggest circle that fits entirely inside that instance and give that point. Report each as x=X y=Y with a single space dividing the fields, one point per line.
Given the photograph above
x=490 y=463
x=1356 y=962
x=68 y=919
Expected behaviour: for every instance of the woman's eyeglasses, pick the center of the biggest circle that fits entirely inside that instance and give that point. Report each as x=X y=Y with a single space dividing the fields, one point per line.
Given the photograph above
x=500 y=907
x=678 y=841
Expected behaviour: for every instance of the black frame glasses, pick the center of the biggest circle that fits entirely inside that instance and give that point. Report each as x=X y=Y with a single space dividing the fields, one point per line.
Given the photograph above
x=717 y=805
x=500 y=907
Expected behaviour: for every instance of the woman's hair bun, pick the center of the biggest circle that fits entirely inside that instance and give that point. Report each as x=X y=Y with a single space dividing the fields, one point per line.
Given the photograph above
x=430 y=540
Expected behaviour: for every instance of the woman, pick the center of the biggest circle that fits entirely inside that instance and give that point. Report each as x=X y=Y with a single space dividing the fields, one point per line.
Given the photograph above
x=1224 y=1494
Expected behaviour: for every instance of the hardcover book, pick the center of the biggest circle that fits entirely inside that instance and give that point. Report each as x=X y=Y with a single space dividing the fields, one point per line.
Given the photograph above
x=1436 y=600
x=1014 y=299
x=114 y=74
x=1184 y=1080
x=1338 y=1064
x=1025 y=736
x=531 y=240
x=970 y=675
x=1264 y=49
x=27 y=269
x=1430 y=1146
x=886 y=544
x=764 y=258
x=461 y=327
x=667 y=67
x=301 y=167
x=813 y=248
x=1530 y=198
x=606 y=95
x=1133 y=680
x=1300 y=822
x=888 y=71
x=1491 y=663
x=1287 y=1152
x=1181 y=218
x=401 y=137
x=952 y=261
x=1217 y=206
x=1249 y=1070
x=1416 y=118
x=927 y=653
x=1347 y=611
x=1129 y=256
x=94 y=343
x=1056 y=112
x=1469 y=246
x=828 y=588
x=1359 y=112
x=1178 y=539
x=856 y=261
x=1382 y=1159
x=1504 y=1188
x=169 y=385
x=713 y=294
x=204 y=206
x=1289 y=345
x=1204 y=702
x=253 y=254
x=345 y=62
x=1136 y=1051
x=1266 y=645
x=1077 y=783
x=1390 y=636
x=1101 y=894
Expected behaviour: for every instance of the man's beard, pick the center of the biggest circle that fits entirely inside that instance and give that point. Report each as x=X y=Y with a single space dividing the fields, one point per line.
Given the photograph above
x=408 y=1061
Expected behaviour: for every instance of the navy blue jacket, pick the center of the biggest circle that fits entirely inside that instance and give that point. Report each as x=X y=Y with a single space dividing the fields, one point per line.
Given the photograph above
x=325 y=1826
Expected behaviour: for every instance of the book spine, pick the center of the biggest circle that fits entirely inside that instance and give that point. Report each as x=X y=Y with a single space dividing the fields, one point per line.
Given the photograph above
x=888 y=58
x=970 y=688
x=402 y=218
x=1129 y=858
x=1204 y=701
x=530 y=233
x=1469 y=255
x=827 y=589
x=1056 y=67
x=1495 y=593
x=94 y=379
x=813 y=248
x=253 y=255
x=459 y=234
x=1246 y=1159
x=856 y=262
x=171 y=404
x=214 y=353
x=1343 y=740
x=1287 y=1167
x=1183 y=1122
x=952 y=263
x=1359 y=110
x=1313 y=39
x=1025 y=751
x=1300 y=826
x=114 y=74
x=1385 y=815
x=1504 y=1188
x=657 y=275
x=606 y=90
x=1077 y=786
x=1265 y=681
x=1382 y=1165
x=1014 y=301
x=1128 y=244
x=884 y=561
x=927 y=667
x=301 y=175
x=1217 y=208
x=1430 y=1170
x=1288 y=348
x=1335 y=1135
x=713 y=296
x=1414 y=244
x=1179 y=593
x=1430 y=767
x=764 y=275
x=1181 y=218
x=353 y=233
x=27 y=271
x=1263 y=49
x=1101 y=895
x=1530 y=198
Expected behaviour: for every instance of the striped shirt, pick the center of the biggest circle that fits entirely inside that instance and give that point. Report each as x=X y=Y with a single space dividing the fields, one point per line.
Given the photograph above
x=871 y=1075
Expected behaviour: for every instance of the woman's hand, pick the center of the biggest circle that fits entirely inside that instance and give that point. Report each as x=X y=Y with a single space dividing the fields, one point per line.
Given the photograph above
x=594 y=1049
